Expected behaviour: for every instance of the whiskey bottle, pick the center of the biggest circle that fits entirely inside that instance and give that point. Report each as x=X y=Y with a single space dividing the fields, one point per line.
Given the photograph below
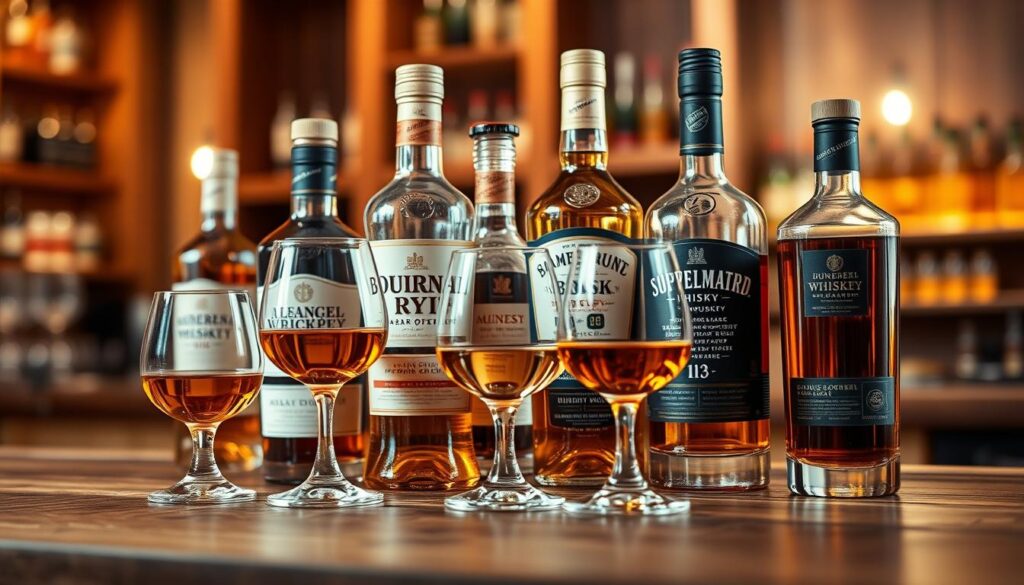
x=494 y=160
x=839 y=285
x=573 y=429
x=288 y=414
x=420 y=432
x=709 y=428
x=219 y=257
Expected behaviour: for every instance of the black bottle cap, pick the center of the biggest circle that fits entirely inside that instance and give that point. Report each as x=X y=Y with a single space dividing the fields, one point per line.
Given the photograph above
x=493 y=128
x=700 y=72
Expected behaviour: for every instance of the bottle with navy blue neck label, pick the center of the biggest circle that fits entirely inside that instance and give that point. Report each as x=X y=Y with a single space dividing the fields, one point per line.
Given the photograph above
x=839 y=289
x=287 y=411
x=709 y=428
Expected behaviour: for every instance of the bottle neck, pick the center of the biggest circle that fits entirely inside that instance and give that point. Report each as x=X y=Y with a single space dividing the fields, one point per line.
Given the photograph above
x=309 y=206
x=584 y=140
x=496 y=224
x=419 y=159
x=705 y=166
x=700 y=125
x=218 y=203
x=314 y=181
x=836 y=159
x=418 y=136
x=837 y=184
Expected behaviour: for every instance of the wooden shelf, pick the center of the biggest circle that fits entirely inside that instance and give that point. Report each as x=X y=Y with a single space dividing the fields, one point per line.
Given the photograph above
x=458 y=57
x=77 y=82
x=54 y=179
x=651 y=159
x=966 y=237
x=1006 y=301
x=264 y=188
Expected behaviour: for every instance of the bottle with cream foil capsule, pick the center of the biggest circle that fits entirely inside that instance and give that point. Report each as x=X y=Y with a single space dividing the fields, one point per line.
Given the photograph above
x=421 y=436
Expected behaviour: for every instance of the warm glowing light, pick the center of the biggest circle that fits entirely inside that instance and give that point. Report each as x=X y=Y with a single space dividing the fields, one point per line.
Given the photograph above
x=896 y=107
x=202 y=162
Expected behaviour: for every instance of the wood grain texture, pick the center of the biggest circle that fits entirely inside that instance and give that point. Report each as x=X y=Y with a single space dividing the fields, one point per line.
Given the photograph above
x=76 y=517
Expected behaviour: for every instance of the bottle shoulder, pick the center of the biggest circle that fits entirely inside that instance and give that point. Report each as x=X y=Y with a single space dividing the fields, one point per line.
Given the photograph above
x=584 y=198
x=708 y=209
x=419 y=206
x=838 y=216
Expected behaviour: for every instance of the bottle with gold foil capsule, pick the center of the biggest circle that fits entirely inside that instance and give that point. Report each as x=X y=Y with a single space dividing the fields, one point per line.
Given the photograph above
x=421 y=437
x=573 y=428
x=839 y=291
x=494 y=160
x=219 y=257
x=288 y=416
x=709 y=428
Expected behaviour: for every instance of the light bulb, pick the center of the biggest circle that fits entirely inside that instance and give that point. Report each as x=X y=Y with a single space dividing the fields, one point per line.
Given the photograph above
x=896 y=107
x=202 y=162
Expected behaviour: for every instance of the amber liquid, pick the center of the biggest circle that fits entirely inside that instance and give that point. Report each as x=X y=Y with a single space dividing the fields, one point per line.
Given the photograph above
x=563 y=455
x=417 y=463
x=203 y=398
x=501 y=374
x=841 y=347
x=323 y=358
x=624 y=371
x=226 y=257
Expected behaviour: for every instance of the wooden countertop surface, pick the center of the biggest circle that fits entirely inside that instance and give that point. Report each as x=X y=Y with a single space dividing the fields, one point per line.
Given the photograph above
x=82 y=517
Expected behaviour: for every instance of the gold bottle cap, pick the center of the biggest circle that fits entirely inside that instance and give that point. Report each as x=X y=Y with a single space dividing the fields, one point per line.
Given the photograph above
x=314 y=129
x=419 y=81
x=582 y=67
x=835 y=108
x=224 y=163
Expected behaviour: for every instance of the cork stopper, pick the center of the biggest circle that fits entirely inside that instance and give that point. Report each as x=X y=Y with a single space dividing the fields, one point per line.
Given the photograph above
x=419 y=82
x=582 y=67
x=224 y=164
x=835 y=109
x=314 y=130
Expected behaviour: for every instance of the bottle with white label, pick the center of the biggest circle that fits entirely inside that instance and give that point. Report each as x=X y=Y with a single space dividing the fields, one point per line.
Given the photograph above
x=420 y=432
x=494 y=159
x=287 y=411
x=839 y=294
x=709 y=428
x=219 y=257
x=573 y=428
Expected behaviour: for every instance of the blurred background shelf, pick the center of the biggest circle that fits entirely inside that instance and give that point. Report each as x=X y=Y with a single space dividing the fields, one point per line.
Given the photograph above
x=459 y=57
x=1006 y=301
x=57 y=179
x=264 y=188
x=43 y=79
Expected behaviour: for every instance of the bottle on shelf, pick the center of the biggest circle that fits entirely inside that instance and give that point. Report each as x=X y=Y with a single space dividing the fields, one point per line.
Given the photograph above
x=287 y=410
x=984 y=279
x=428 y=30
x=18 y=38
x=456 y=22
x=45 y=146
x=218 y=257
x=904 y=189
x=420 y=434
x=967 y=360
x=12 y=230
x=12 y=135
x=37 y=241
x=88 y=241
x=494 y=160
x=1013 y=347
x=954 y=277
x=42 y=31
x=484 y=23
x=281 y=131
x=653 y=116
x=62 y=243
x=1010 y=178
x=83 y=149
x=950 y=204
x=709 y=428
x=573 y=428
x=511 y=21
x=839 y=292
x=624 y=120
x=927 y=279
x=981 y=169
x=66 y=43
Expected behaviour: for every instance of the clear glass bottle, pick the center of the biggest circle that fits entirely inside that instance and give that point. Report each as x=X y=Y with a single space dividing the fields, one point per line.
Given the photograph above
x=573 y=428
x=420 y=432
x=219 y=257
x=839 y=288
x=709 y=428
x=288 y=413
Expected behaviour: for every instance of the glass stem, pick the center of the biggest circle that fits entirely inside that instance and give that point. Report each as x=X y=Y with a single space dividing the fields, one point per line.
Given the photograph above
x=326 y=464
x=204 y=464
x=626 y=473
x=505 y=470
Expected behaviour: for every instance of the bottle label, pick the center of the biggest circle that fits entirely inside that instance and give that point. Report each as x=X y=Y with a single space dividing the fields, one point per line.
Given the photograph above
x=413 y=385
x=836 y=146
x=571 y=405
x=307 y=301
x=411 y=276
x=314 y=170
x=700 y=125
x=843 y=402
x=494 y=187
x=583 y=108
x=482 y=414
x=289 y=412
x=219 y=195
x=836 y=283
x=726 y=378
x=204 y=329
x=506 y=310
x=419 y=124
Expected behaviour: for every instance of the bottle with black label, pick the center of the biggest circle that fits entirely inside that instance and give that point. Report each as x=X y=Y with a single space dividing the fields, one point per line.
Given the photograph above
x=839 y=288
x=709 y=427
x=287 y=410
x=494 y=160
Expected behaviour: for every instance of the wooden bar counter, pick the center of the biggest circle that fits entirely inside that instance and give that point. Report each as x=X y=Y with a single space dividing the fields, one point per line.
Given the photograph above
x=82 y=517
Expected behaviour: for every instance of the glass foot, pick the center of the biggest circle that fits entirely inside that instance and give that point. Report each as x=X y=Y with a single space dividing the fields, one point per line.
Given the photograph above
x=621 y=502
x=335 y=493
x=524 y=498
x=194 y=491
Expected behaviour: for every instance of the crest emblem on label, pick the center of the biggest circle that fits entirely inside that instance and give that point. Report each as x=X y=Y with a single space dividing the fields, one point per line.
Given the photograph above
x=876 y=399
x=834 y=263
x=699 y=204
x=415 y=261
x=417 y=205
x=697 y=120
x=695 y=256
x=303 y=293
x=581 y=195
x=502 y=285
